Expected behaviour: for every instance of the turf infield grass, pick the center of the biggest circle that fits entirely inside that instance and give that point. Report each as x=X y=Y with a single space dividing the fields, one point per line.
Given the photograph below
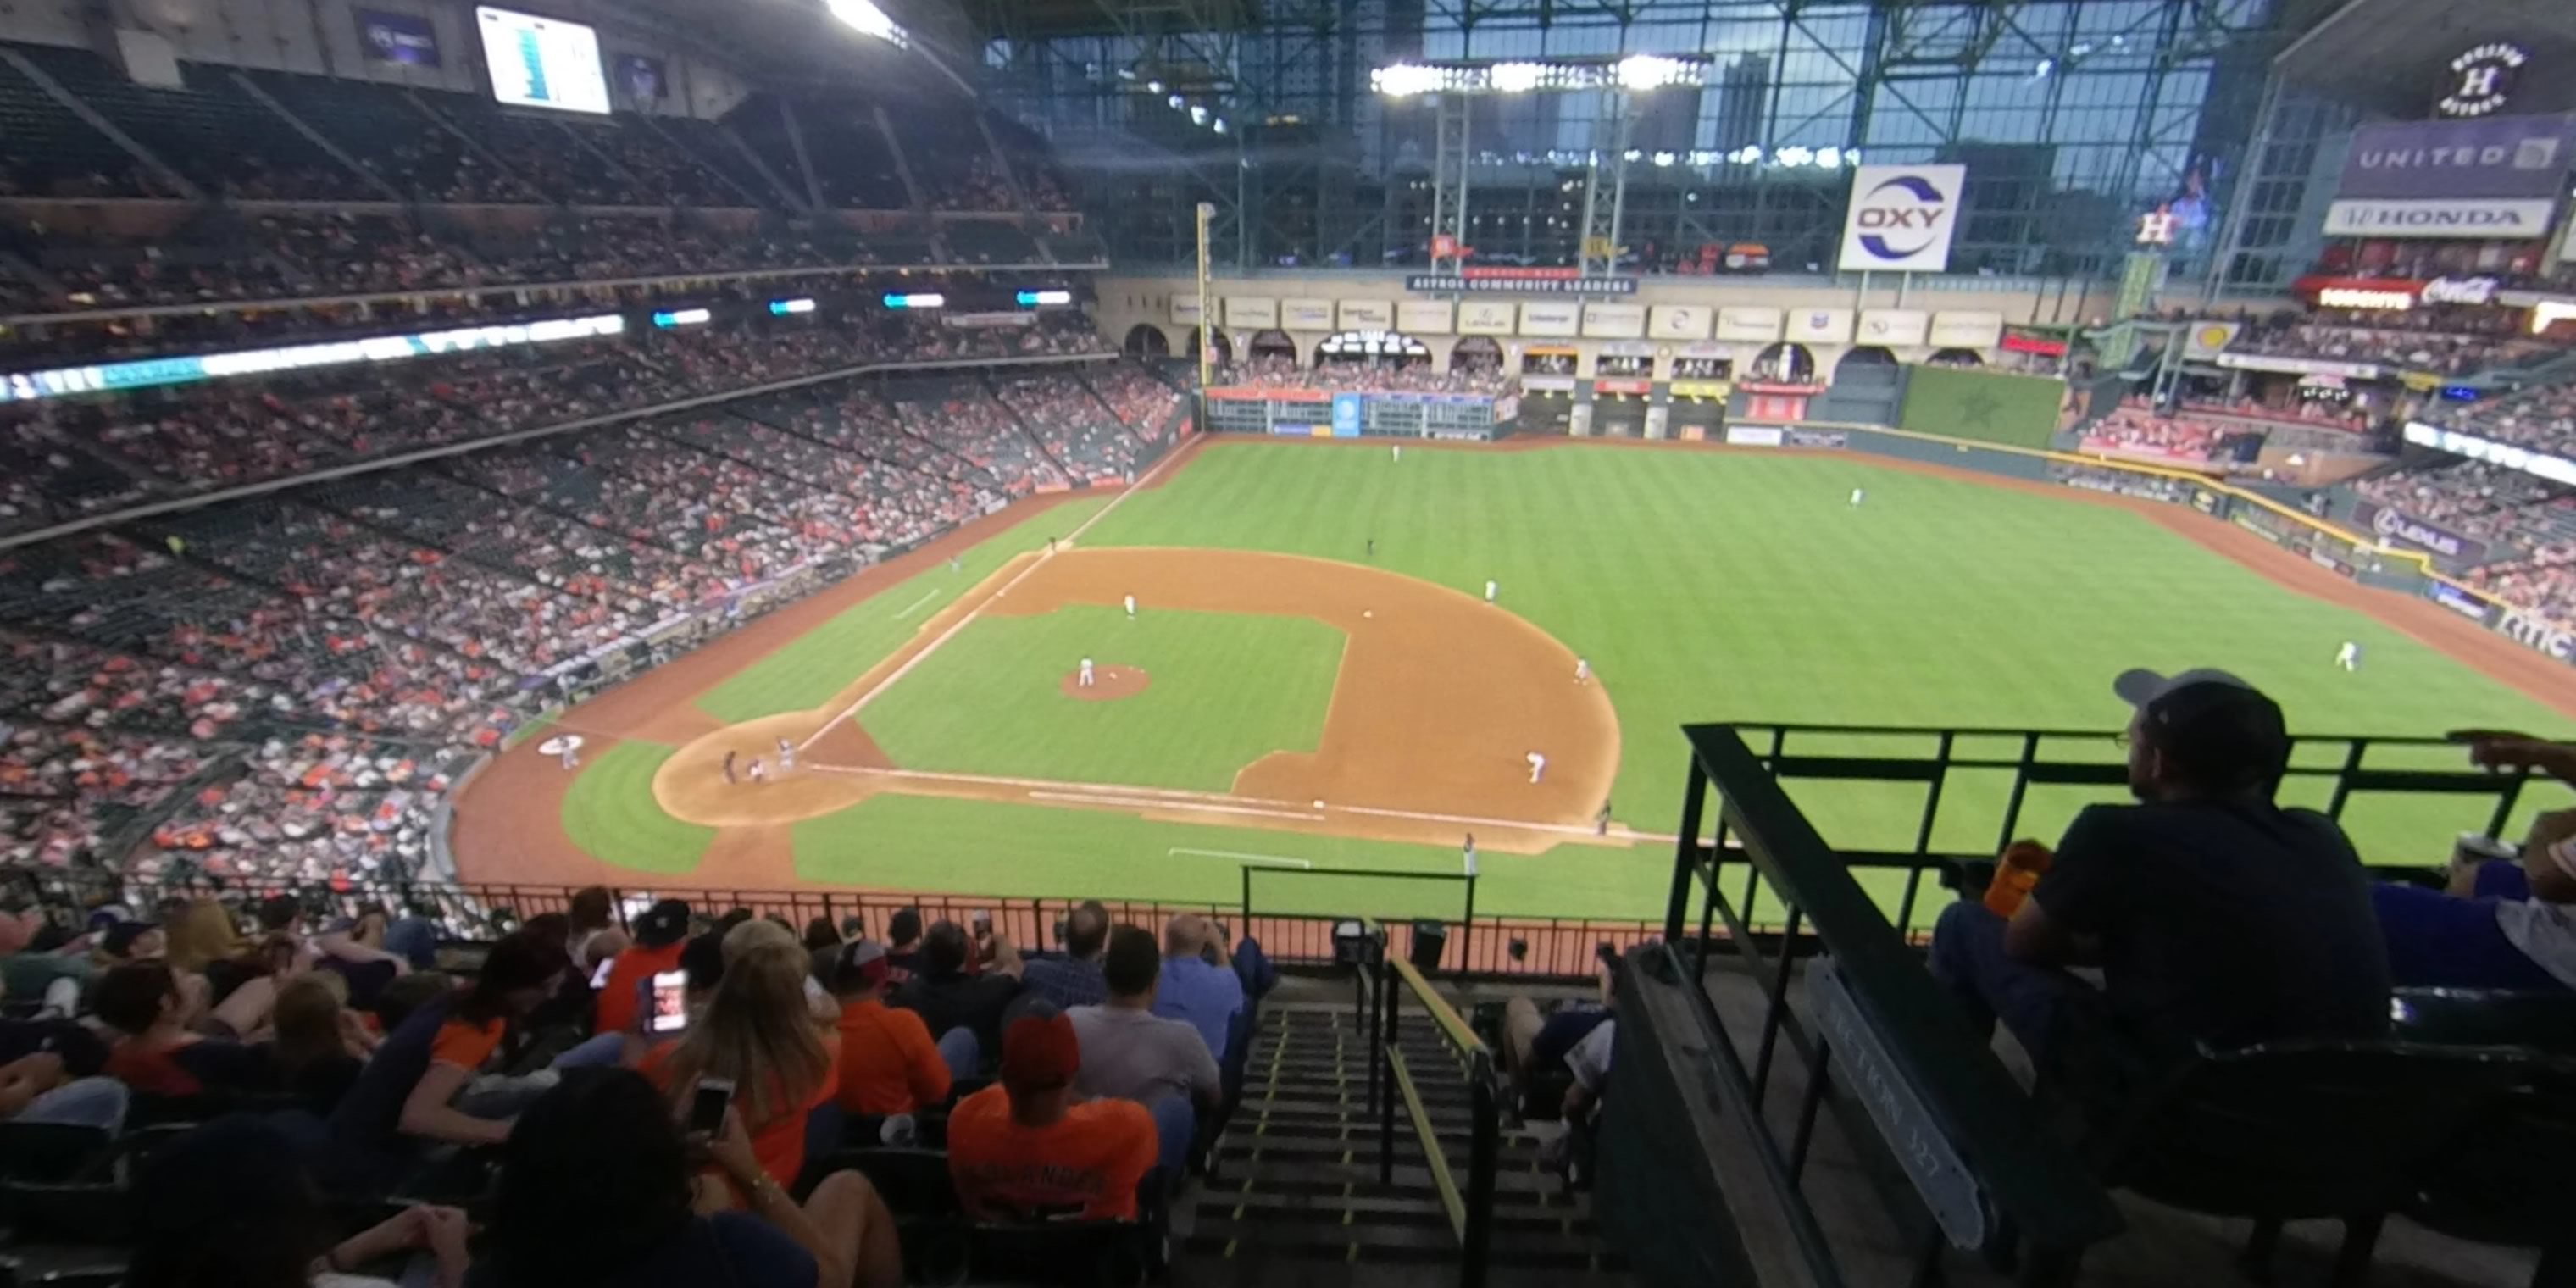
x=1701 y=586
x=1223 y=690
x=609 y=811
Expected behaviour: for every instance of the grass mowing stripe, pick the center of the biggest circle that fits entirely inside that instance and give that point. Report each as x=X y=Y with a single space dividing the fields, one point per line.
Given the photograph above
x=811 y=671
x=610 y=812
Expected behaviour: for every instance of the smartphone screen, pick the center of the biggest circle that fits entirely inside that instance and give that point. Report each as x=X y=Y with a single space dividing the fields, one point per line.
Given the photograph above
x=670 y=1010
x=599 y=973
x=707 y=1105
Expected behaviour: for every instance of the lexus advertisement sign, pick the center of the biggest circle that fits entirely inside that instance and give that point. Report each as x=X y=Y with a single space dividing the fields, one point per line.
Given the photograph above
x=1901 y=218
x=2493 y=177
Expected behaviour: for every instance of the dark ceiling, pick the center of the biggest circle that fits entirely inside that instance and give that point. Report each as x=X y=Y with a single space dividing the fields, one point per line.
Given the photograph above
x=2392 y=57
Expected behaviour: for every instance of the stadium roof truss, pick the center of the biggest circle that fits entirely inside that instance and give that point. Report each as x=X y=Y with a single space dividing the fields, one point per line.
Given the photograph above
x=2099 y=104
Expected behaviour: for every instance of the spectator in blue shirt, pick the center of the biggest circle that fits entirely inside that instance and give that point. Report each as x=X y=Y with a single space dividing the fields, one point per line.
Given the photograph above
x=1074 y=979
x=1199 y=984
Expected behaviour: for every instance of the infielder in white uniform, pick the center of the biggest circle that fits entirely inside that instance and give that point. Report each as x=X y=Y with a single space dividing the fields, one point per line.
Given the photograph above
x=757 y=772
x=1582 y=670
x=1471 y=854
x=1131 y=608
x=1085 y=681
x=1538 y=766
x=571 y=756
x=2349 y=656
x=786 y=755
x=1490 y=588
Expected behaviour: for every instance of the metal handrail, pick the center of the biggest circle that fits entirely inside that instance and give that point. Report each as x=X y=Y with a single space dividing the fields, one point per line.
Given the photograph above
x=1922 y=1042
x=1471 y=1210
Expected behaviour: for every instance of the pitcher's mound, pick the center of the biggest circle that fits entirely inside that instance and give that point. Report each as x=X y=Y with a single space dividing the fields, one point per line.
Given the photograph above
x=1108 y=683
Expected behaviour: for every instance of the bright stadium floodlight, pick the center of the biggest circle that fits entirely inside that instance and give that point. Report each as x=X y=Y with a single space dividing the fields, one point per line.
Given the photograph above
x=1516 y=78
x=1648 y=71
x=870 y=20
x=1405 y=80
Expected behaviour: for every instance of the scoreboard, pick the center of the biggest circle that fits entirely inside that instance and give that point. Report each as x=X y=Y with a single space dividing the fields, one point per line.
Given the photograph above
x=1317 y=413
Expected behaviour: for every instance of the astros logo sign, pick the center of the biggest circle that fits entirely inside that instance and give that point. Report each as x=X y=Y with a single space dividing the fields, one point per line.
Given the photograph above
x=1901 y=218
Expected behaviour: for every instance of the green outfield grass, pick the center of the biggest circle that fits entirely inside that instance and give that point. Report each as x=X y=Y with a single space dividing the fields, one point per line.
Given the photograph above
x=1224 y=690
x=806 y=674
x=609 y=811
x=1702 y=586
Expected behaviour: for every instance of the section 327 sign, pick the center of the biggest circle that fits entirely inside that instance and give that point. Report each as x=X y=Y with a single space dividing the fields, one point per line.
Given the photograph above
x=1901 y=218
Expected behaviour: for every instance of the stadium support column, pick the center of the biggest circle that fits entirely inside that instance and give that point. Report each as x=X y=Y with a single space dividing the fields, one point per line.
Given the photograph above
x=1449 y=183
x=1600 y=245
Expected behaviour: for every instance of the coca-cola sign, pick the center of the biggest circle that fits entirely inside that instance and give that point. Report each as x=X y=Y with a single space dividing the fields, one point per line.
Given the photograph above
x=2397 y=527
x=2460 y=290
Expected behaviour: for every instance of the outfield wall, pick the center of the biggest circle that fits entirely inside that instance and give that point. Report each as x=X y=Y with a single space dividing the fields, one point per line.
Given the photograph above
x=2360 y=556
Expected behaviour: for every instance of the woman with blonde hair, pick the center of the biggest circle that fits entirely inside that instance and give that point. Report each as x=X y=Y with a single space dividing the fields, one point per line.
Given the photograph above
x=224 y=986
x=759 y=1033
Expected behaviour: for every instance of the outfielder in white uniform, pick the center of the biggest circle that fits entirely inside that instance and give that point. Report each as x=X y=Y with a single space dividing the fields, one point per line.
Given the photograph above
x=786 y=755
x=1857 y=494
x=2349 y=656
x=1085 y=680
x=1490 y=588
x=1399 y=453
x=1538 y=766
x=1131 y=608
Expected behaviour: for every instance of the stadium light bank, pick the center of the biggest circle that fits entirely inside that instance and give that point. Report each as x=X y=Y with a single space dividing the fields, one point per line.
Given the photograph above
x=1636 y=72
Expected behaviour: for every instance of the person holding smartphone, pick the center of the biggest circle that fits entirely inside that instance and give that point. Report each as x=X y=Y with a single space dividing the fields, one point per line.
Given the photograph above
x=599 y=1190
x=758 y=1034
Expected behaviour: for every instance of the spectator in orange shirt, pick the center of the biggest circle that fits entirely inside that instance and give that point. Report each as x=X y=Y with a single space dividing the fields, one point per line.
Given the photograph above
x=1022 y=1149
x=888 y=1063
x=658 y=937
x=758 y=1032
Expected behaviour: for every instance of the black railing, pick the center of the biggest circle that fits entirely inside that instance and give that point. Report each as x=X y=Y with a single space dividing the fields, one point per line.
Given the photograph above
x=1978 y=783
x=1940 y=1109
x=1384 y=978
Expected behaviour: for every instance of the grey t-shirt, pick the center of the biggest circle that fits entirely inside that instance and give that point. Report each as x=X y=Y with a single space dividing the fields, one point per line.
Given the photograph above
x=1135 y=1055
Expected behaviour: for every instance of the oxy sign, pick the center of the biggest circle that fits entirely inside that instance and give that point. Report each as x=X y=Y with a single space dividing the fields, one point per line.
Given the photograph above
x=1901 y=218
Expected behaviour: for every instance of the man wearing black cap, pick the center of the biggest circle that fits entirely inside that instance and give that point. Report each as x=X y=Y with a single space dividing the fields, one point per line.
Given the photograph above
x=659 y=934
x=2217 y=917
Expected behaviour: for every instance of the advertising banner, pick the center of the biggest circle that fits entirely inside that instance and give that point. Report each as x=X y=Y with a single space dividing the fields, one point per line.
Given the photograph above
x=1251 y=311
x=1519 y=281
x=1306 y=315
x=1708 y=390
x=2459 y=601
x=1820 y=326
x=1614 y=321
x=1551 y=319
x=1755 y=436
x=1705 y=350
x=1422 y=317
x=1368 y=315
x=1967 y=330
x=405 y=38
x=1748 y=322
x=1898 y=328
x=2205 y=340
x=2537 y=633
x=2299 y=366
x=1901 y=218
x=1635 y=388
x=2485 y=177
x=2396 y=527
x=1486 y=317
x=1678 y=321
x=1185 y=310
x=1347 y=409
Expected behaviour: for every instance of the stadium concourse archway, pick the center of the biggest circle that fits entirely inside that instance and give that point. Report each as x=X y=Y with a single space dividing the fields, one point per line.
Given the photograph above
x=1865 y=357
x=1956 y=358
x=1476 y=353
x=1146 y=340
x=1273 y=346
x=1372 y=348
x=1785 y=363
x=1223 y=347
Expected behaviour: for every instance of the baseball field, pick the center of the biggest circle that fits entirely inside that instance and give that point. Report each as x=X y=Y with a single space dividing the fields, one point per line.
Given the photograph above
x=1312 y=679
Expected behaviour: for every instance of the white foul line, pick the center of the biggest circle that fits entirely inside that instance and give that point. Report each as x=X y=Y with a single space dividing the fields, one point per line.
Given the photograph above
x=1261 y=860
x=1131 y=802
x=926 y=597
x=972 y=613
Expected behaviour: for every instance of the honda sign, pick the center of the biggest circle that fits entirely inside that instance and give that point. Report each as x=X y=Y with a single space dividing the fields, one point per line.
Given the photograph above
x=1901 y=218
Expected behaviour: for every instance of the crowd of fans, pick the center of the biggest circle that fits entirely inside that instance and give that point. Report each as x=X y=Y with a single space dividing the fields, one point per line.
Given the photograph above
x=405 y=618
x=2444 y=341
x=1279 y=370
x=2542 y=418
x=675 y=1095
x=2136 y=430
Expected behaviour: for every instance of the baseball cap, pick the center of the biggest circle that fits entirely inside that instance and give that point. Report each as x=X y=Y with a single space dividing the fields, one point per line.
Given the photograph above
x=860 y=963
x=664 y=924
x=1039 y=1050
x=2212 y=727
